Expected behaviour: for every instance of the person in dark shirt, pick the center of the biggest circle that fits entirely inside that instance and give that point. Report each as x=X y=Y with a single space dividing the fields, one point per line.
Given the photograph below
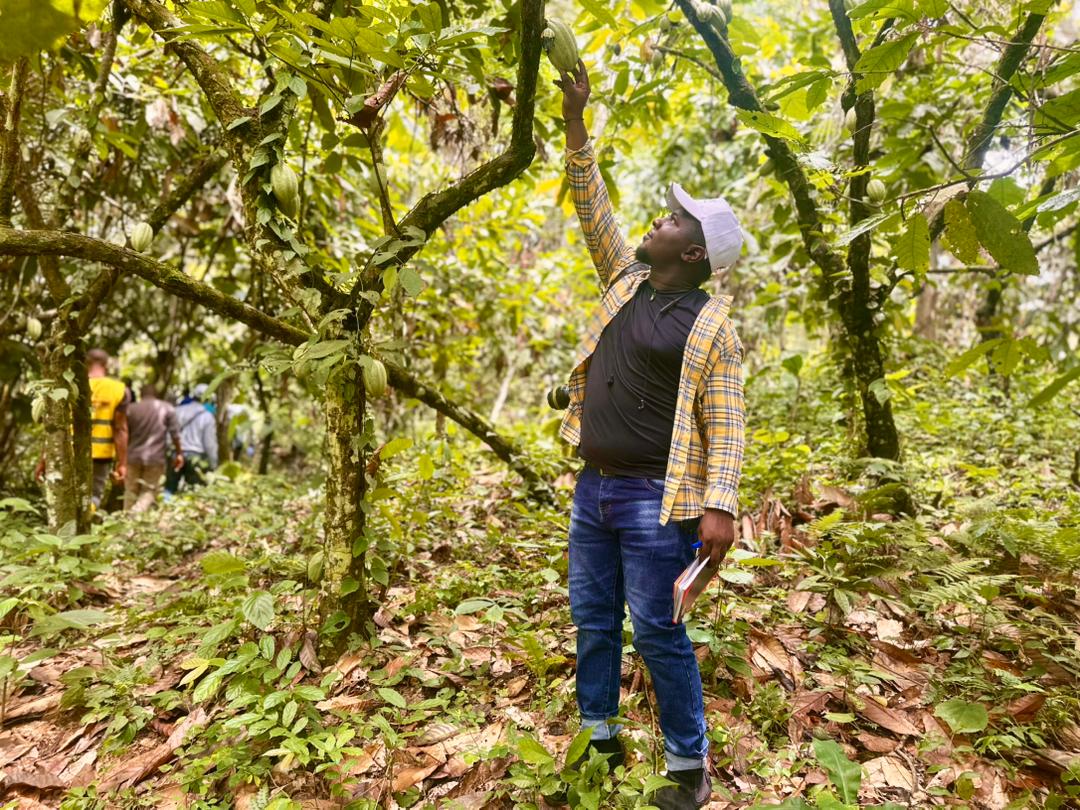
x=656 y=411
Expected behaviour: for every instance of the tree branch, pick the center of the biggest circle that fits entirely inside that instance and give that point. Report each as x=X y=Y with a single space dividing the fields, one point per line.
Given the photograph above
x=209 y=74
x=70 y=185
x=59 y=243
x=9 y=140
x=401 y=379
x=1001 y=92
x=182 y=191
x=438 y=206
x=741 y=94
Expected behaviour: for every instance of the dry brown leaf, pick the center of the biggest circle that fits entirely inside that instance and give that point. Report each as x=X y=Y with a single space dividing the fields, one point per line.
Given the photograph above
x=514 y=687
x=888 y=771
x=879 y=745
x=797 y=601
x=894 y=720
x=137 y=769
x=1025 y=708
x=309 y=657
x=33 y=708
x=436 y=733
x=34 y=777
x=405 y=778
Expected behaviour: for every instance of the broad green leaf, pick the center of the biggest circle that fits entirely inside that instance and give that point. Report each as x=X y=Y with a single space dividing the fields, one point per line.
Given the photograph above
x=970 y=356
x=844 y=774
x=875 y=64
x=392 y=696
x=868 y=224
x=578 y=745
x=221 y=562
x=258 y=609
x=1001 y=234
x=653 y=782
x=1059 y=114
x=1050 y=391
x=600 y=12
x=29 y=26
x=533 y=752
x=69 y=620
x=410 y=281
x=963 y=717
x=959 y=235
x=913 y=246
x=316 y=351
x=769 y=125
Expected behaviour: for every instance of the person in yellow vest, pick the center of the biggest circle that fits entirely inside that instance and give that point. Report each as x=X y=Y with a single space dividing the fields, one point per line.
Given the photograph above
x=109 y=399
x=108 y=426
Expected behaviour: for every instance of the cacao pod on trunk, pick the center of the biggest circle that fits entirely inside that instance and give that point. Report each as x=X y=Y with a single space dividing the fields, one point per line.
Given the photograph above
x=374 y=377
x=875 y=190
x=286 y=188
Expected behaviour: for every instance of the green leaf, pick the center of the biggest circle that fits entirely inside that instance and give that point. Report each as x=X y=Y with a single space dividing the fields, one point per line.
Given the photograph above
x=600 y=12
x=410 y=281
x=1048 y=393
x=970 y=356
x=844 y=774
x=913 y=246
x=30 y=26
x=654 y=782
x=533 y=752
x=769 y=125
x=1001 y=234
x=258 y=609
x=960 y=236
x=962 y=717
x=392 y=696
x=868 y=224
x=875 y=64
x=578 y=745
x=221 y=562
x=69 y=620
x=316 y=351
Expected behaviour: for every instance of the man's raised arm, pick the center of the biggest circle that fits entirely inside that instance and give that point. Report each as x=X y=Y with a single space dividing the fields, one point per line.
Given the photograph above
x=607 y=246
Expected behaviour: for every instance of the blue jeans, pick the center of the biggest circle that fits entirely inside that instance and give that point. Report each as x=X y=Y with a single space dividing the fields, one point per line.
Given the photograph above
x=619 y=553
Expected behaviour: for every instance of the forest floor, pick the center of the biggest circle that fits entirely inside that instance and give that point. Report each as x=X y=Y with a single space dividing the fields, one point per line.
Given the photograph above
x=851 y=657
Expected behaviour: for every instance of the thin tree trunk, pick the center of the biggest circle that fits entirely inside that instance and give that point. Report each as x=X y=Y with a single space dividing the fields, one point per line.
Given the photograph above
x=66 y=501
x=344 y=602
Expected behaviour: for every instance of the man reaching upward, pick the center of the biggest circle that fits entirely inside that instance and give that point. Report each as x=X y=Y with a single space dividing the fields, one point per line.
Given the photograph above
x=656 y=411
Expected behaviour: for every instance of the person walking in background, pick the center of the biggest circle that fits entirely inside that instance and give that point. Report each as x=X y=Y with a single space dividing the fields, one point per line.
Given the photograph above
x=198 y=442
x=151 y=425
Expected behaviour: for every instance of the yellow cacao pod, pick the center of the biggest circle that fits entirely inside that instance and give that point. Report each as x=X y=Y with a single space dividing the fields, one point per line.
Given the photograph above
x=374 y=377
x=561 y=46
x=33 y=328
x=875 y=190
x=141 y=236
x=286 y=188
x=849 y=120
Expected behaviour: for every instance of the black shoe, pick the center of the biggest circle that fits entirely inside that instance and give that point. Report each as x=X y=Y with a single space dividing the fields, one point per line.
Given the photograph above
x=693 y=791
x=611 y=748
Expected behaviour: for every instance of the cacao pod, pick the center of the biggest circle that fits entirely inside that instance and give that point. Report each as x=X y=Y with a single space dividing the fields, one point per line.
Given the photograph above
x=37 y=409
x=666 y=24
x=561 y=46
x=711 y=15
x=286 y=188
x=726 y=9
x=875 y=190
x=374 y=377
x=657 y=59
x=33 y=328
x=849 y=120
x=646 y=51
x=141 y=236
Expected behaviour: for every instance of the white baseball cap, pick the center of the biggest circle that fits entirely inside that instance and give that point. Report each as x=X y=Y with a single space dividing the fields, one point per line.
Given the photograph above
x=723 y=234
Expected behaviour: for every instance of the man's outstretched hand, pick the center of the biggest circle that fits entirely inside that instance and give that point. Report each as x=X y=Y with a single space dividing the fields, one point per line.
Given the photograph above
x=575 y=88
x=716 y=532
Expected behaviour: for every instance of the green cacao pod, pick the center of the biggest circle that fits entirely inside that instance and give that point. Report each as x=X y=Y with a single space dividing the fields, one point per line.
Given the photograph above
x=286 y=188
x=711 y=15
x=561 y=46
x=875 y=190
x=33 y=328
x=141 y=236
x=657 y=59
x=849 y=120
x=726 y=9
x=37 y=409
x=374 y=377
x=666 y=23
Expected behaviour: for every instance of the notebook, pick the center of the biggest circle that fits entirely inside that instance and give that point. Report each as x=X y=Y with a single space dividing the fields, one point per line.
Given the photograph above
x=689 y=586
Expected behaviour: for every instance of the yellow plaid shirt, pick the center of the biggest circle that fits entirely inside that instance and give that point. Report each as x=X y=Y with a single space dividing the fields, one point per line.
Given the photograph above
x=707 y=440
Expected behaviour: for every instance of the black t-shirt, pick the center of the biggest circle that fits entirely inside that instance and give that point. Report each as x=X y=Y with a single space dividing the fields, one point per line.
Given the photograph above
x=632 y=383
